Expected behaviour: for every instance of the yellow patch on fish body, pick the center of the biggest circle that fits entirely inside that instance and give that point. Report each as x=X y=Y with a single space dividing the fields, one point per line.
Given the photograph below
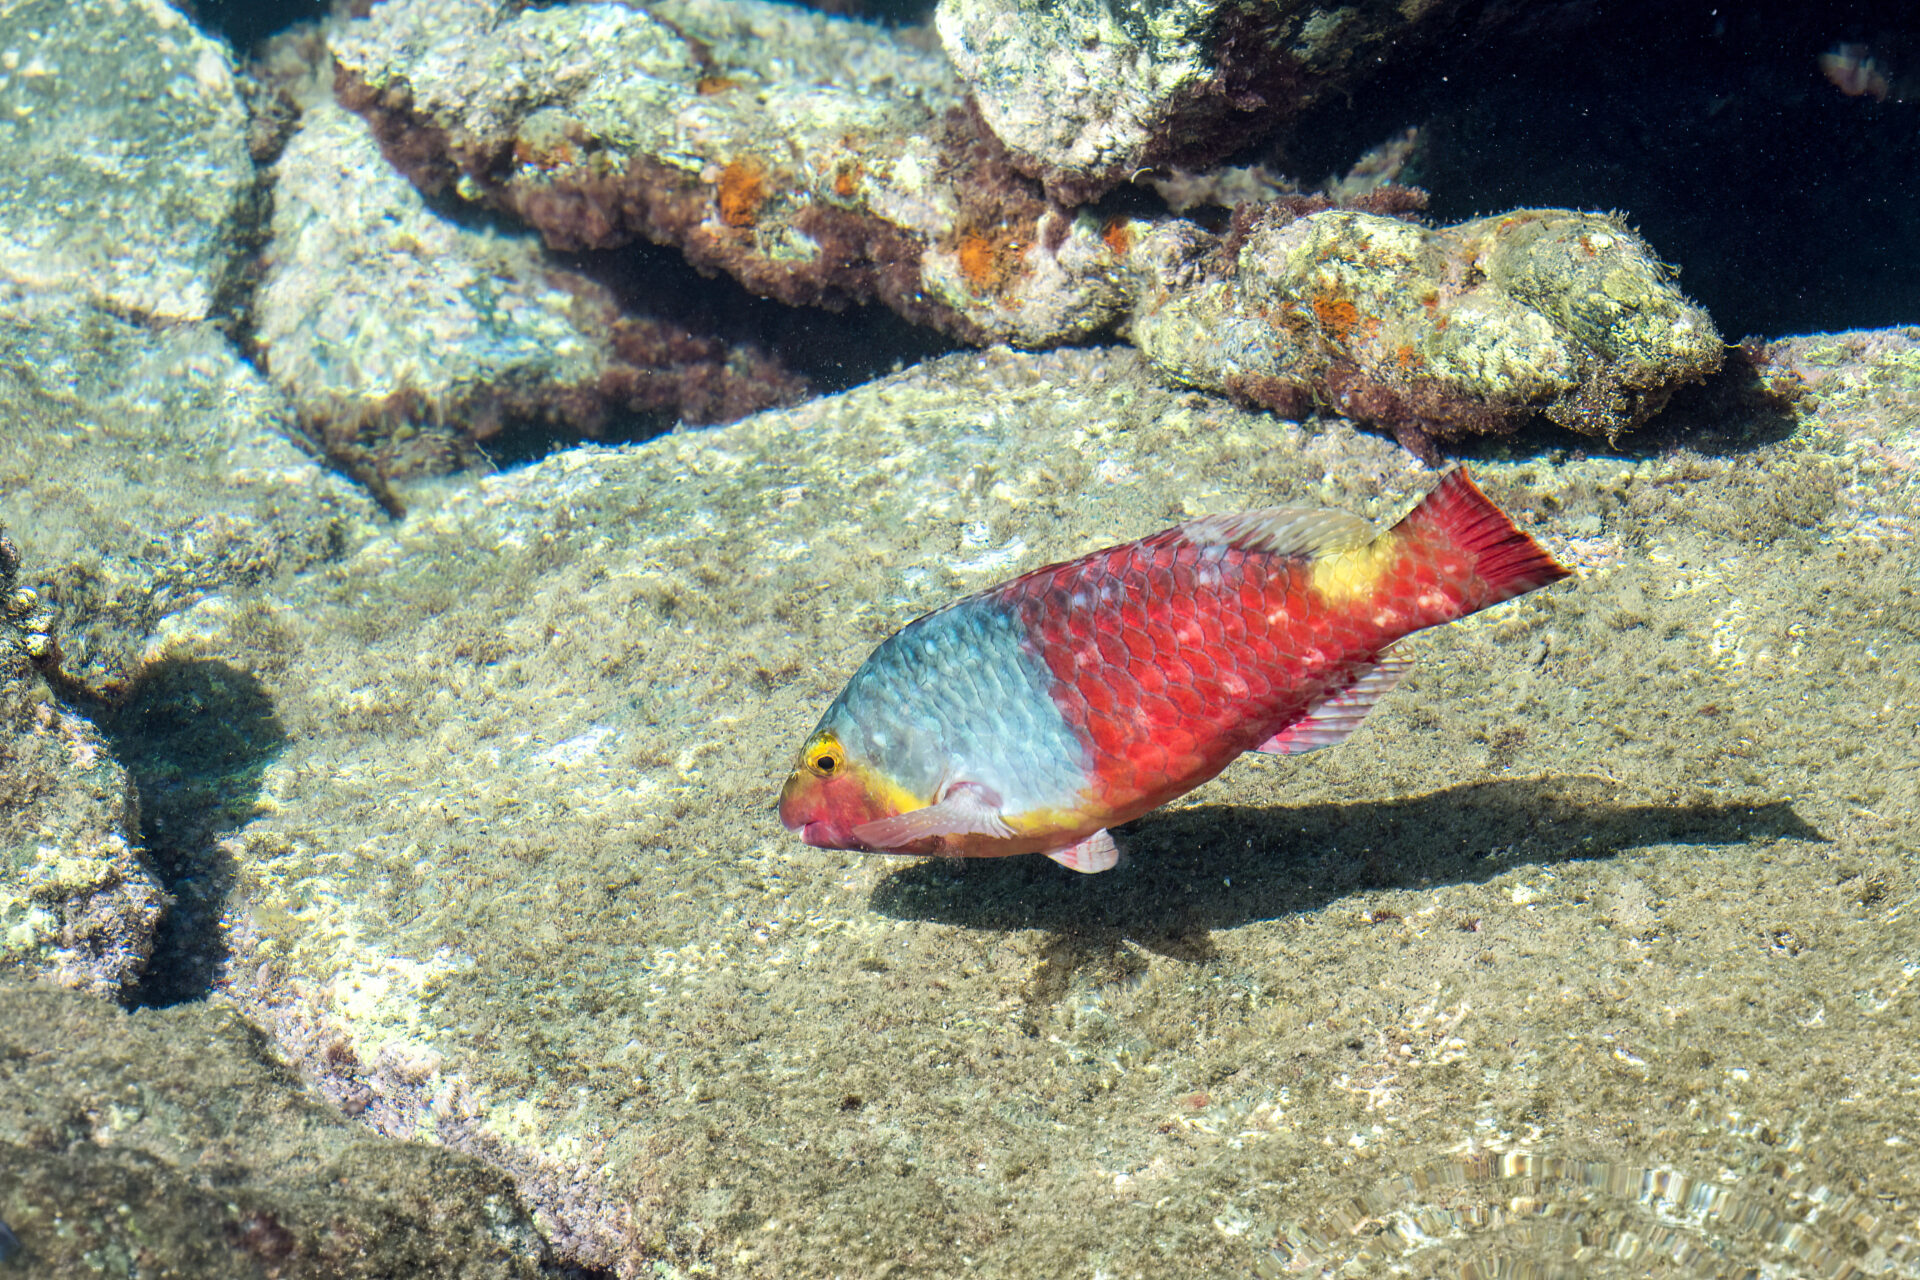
x=1034 y=821
x=1348 y=576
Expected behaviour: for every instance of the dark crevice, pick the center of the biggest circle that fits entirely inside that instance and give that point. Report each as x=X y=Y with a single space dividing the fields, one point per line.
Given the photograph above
x=245 y=23
x=832 y=350
x=893 y=13
x=1789 y=206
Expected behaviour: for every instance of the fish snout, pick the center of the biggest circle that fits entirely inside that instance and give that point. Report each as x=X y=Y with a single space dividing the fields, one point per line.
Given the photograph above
x=825 y=812
x=799 y=801
x=792 y=816
x=802 y=810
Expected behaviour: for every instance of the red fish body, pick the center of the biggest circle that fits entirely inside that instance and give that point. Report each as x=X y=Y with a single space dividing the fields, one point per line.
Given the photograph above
x=1036 y=715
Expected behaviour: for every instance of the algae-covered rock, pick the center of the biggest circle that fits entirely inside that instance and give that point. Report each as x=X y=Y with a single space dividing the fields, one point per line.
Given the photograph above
x=403 y=339
x=1090 y=93
x=76 y=905
x=175 y=1143
x=144 y=472
x=816 y=160
x=826 y=162
x=1434 y=333
x=124 y=172
x=1586 y=883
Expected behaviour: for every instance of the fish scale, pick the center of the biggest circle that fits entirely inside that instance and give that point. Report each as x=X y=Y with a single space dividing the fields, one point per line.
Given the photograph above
x=959 y=688
x=1036 y=714
x=1152 y=708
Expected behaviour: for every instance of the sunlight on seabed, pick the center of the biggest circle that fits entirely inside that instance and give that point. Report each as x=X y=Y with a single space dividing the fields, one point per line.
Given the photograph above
x=1535 y=1217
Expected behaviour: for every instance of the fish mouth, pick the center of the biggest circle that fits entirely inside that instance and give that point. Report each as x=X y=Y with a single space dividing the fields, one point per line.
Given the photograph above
x=821 y=835
x=818 y=832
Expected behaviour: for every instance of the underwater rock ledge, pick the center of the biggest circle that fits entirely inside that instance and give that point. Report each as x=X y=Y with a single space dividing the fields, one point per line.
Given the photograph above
x=850 y=170
x=1433 y=333
x=76 y=904
x=1087 y=93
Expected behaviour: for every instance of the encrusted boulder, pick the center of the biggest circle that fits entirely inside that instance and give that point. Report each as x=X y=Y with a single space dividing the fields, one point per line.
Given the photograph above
x=1432 y=333
x=404 y=339
x=1088 y=93
x=816 y=160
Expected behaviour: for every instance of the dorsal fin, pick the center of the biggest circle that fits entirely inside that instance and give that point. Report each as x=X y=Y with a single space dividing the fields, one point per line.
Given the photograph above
x=1282 y=531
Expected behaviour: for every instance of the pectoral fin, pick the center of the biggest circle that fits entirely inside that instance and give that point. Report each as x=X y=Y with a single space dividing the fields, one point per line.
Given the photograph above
x=1096 y=853
x=967 y=810
x=1338 y=714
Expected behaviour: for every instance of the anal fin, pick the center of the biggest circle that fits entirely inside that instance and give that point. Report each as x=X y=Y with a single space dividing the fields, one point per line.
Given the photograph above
x=1096 y=853
x=1338 y=714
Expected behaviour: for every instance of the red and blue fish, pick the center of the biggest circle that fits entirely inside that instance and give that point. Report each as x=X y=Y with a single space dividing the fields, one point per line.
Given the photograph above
x=1037 y=715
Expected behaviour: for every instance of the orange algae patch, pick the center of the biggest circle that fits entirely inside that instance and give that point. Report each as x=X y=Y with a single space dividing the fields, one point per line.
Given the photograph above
x=989 y=259
x=978 y=261
x=530 y=153
x=1337 y=315
x=743 y=190
x=1117 y=236
x=707 y=86
x=846 y=179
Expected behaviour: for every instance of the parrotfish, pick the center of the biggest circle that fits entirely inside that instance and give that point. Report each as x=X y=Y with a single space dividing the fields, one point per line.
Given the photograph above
x=1037 y=715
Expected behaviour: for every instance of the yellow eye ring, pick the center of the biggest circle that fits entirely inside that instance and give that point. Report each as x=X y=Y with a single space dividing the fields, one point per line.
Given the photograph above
x=823 y=756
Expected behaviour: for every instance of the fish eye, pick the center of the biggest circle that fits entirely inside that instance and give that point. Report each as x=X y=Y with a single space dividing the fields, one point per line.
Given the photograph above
x=824 y=762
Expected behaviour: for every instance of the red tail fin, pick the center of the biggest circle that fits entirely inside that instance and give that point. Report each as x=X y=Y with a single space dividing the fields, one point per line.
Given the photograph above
x=1456 y=513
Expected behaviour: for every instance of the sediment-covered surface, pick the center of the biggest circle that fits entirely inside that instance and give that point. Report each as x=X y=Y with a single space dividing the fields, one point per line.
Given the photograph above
x=176 y=1142
x=124 y=173
x=144 y=471
x=1620 y=876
